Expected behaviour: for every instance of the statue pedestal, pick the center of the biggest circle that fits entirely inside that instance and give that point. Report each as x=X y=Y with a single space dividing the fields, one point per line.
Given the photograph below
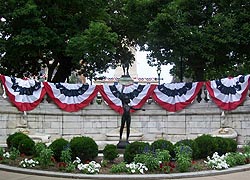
x=114 y=134
x=122 y=144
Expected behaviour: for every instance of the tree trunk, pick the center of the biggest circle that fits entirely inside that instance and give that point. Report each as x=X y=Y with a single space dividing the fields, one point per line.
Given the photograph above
x=63 y=70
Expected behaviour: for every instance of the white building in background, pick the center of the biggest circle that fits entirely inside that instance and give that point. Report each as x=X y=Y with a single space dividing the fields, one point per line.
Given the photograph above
x=140 y=72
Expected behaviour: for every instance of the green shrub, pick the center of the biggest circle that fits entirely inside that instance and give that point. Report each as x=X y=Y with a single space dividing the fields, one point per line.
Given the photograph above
x=134 y=148
x=83 y=147
x=183 y=149
x=191 y=143
x=206 y=146
x=163 y=144
x=232 y=145
x=163 y=155
x=14 y=153
x=44 y=157
x=38 y=148
x=148 y=159
x=66 y=156
x=234 y=159
x=110 y=152
x=13 y=140
x=221 y=145
x=183 y=157
x=119 y=168
x=10 y=137
x=246 y=149
x=57 y=146
x=26 y=146
x=1 y=152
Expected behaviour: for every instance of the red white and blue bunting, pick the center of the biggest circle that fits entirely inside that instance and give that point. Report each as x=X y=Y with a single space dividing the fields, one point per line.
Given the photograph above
x=24 y=94
x=137 y=93
x=228 y=93
x=176 y=96
x=71 y=97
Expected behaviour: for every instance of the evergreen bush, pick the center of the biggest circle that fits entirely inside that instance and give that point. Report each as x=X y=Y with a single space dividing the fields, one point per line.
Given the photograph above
x=221 y=145
x=14 y=139
x=232 y=145
x=26 y=146
x=163 y=144
x=192 y=144
x=84 y=147
x=134 y=148
x=57 y=146
x=206 y=145
x=110 y=152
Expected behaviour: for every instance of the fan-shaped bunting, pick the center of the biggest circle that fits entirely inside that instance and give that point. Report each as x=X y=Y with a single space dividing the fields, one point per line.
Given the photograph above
x=137 y=93
x=228 y=93
x=71 y=97
x=24 y=94
x=176 y=96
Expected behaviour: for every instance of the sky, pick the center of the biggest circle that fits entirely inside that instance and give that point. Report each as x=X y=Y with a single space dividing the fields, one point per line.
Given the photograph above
x=146 y=71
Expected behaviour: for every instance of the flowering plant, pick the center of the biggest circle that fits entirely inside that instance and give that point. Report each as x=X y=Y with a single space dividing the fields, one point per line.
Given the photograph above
x=167 y=167
x=90 y=168
x=28 y=163
x=136 y=168
x=217 y=162
x=6 y=155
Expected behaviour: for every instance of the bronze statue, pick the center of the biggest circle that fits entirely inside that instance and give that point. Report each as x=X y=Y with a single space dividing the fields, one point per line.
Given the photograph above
x=126 y=117
x=125 y=67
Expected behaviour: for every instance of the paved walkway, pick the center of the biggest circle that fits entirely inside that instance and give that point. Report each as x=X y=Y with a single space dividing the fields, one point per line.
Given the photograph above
x=238 y=173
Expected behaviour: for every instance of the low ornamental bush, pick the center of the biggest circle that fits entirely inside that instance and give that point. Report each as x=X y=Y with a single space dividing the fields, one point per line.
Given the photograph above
x=232 y=145
x=192 y=144
x=26 y=146
x=134 y=148
x=57 y=146
x=110 y=152
x=148 y=159
x=83 y=147
x=163 y=144
x=183 y=157
x=38 y=148
x=206 y=146
x=14 y=140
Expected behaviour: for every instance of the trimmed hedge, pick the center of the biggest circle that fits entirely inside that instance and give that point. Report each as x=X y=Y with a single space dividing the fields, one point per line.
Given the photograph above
x=57 y=146
x=163 y=144
x=13 y=140
x=26 y=146
x=110 y=152
x=84 y=147
x=134 y=148
x=192 y=144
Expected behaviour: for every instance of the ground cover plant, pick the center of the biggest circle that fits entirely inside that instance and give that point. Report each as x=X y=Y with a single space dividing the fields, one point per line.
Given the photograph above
x=80 y=156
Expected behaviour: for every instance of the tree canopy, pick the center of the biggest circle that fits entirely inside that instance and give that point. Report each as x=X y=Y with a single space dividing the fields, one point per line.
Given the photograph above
x=204 y=39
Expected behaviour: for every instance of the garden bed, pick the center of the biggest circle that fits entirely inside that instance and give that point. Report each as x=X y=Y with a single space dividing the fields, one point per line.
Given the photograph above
x=80 y=155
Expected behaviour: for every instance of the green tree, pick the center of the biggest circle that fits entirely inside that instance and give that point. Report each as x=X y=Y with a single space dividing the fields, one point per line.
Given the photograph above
x=203 y=38
x=95 y=46
x=37 y=32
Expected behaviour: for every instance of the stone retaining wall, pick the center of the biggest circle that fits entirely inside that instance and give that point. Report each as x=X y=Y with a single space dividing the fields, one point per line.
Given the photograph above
x=97 y=120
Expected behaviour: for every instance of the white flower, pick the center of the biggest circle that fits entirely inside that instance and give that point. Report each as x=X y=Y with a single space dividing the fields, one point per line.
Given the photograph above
x=217 y=162
x=77 y=161
x=6 y=155
x=90 y=168
x=28 y=163
x=136 y=168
